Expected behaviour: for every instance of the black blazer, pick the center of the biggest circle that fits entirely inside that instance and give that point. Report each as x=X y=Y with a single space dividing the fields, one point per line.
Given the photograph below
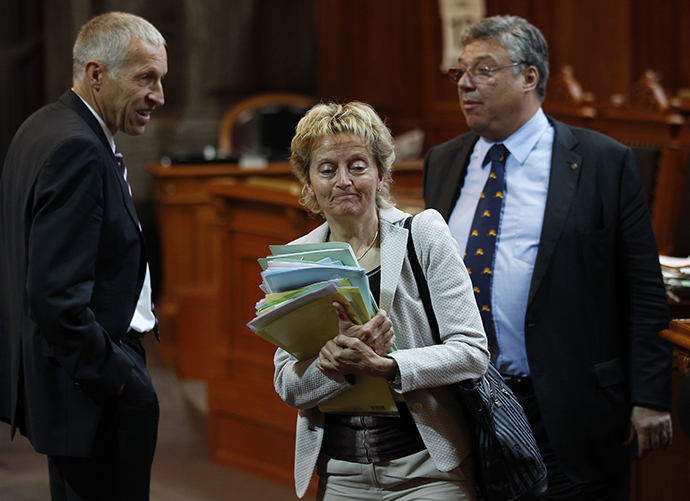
x=596 y=302
x=73 y=264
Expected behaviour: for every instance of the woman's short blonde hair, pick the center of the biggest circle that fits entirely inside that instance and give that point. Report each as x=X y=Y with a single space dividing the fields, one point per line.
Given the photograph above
x=329 y=119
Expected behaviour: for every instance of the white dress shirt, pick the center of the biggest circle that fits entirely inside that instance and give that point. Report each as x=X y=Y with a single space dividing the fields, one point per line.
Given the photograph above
x=143 y=319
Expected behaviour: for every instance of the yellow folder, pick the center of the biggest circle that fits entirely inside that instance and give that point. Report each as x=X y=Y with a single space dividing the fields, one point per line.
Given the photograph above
x=304 y=331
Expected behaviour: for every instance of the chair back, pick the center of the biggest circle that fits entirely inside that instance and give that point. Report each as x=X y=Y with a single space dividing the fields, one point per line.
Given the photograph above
x=262 y=125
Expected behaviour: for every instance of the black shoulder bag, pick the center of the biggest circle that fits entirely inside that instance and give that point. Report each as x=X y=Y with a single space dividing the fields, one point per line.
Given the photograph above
x=508 y=465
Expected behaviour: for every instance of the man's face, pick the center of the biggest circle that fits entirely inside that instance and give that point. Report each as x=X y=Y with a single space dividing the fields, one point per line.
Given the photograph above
x=127 y=100
x=494 y=109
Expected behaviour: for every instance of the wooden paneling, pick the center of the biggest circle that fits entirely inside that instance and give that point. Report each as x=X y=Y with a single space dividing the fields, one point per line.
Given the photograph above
x=442 y=118
x=388 y=52
x=370 y=51
x=250 y=427
x=594 y=37
x=659 y=40
x=189 y=307
x=680 y=65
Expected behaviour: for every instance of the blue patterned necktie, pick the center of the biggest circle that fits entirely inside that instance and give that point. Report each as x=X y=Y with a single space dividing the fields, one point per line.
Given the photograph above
x=123 y=168
x=481 y=244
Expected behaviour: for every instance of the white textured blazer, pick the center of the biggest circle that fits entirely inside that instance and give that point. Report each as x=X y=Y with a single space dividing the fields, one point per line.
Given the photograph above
x=425 y=368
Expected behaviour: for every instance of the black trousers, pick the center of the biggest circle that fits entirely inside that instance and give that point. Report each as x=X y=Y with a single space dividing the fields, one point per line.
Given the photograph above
x=119 y=468
x=560 y=486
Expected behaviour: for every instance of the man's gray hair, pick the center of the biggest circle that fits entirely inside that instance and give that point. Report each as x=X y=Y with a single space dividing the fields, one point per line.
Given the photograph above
x=106 y=39
x=523 y=42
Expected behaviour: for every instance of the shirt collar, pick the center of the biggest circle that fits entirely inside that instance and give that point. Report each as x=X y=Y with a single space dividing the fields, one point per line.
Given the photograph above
x=523 y=140
x=108 y=134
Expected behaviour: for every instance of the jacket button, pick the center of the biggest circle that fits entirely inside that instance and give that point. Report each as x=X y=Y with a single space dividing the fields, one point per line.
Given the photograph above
x=417 y=407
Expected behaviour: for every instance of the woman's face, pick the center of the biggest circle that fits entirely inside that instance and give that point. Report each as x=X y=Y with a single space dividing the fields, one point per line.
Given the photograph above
x=343 y=176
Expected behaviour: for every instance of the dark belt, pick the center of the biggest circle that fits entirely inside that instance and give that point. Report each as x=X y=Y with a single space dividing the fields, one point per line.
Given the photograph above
x=520 y=385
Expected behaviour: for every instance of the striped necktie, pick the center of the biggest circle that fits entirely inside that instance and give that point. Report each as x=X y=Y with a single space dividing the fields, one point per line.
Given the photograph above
x=123 y=168
x=481 y=244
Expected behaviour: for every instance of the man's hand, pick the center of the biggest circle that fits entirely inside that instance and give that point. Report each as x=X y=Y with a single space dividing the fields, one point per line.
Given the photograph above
x=377 y=333
x=653 y=429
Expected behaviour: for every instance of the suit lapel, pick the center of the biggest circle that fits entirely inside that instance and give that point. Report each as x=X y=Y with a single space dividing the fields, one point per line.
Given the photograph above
x=317 y=235
x=74 y=102
x=455 y=175
x=565 y=171
x=393 y=250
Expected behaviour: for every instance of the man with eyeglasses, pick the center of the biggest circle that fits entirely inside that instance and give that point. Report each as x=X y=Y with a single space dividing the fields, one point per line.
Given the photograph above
x=567 y=278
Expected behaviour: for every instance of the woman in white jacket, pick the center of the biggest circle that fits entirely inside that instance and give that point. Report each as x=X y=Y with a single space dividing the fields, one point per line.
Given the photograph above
x=343 y=155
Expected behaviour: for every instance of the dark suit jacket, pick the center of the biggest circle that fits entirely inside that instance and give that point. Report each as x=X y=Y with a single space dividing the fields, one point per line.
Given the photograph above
x=72 y=262
x=596 y=302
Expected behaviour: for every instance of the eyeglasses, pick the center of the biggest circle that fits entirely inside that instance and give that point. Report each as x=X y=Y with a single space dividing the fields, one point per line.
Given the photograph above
x=480 y=75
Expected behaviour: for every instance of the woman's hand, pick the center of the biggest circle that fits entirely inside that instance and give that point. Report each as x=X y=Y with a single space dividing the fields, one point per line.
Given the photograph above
x=377 y=333
x=348 y=355
x=358 y=348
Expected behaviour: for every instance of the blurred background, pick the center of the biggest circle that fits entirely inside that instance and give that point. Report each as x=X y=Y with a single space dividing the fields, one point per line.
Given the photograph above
x=211 y=201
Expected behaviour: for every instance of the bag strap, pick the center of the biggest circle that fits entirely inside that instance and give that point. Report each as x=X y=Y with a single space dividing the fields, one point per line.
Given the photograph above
x=422 y=284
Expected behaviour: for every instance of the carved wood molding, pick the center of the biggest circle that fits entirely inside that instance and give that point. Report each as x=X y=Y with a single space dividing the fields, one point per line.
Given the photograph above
x=565 y=95
x=648 y=94
x=565 y=88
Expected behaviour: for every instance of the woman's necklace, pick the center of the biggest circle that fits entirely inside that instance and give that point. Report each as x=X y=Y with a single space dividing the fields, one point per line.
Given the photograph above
x=370 y=246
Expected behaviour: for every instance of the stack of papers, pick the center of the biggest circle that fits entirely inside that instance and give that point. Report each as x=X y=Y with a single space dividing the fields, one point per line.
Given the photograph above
x=676 y=273
x=301 y=283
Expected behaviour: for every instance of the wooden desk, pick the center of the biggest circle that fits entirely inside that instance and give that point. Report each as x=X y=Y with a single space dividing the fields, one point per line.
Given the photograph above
x=250 y=427
x=191 y=257
x=678 y=334
x=679 y=309
x=193 y=339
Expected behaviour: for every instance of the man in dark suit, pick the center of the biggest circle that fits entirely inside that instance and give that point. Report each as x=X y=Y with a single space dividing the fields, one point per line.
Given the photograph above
x=75 y=298
x=575 y=298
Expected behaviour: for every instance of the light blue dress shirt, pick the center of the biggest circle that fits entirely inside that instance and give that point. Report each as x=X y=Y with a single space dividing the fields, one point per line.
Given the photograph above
x=527 y=182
